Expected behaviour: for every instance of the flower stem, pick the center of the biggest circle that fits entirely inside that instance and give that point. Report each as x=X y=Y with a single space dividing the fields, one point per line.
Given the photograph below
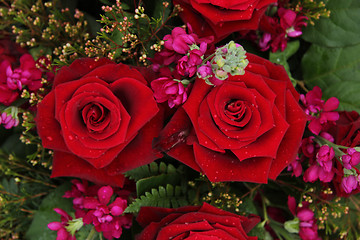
x=92 y=234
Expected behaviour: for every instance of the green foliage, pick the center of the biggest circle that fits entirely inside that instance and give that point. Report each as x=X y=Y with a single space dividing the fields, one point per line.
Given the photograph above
x=166 y=197
x=333 y=61
x=281 y=57
x=38 y=229
x=341 y=29
x=154 y=175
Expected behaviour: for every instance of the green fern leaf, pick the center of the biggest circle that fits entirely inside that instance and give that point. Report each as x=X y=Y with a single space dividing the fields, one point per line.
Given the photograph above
x=160 y=197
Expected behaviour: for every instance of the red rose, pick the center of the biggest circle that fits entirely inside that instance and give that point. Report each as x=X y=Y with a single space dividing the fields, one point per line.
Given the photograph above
x=247 y=129
x=194 y=222
x=99 y=119
x=346 y=131
x=220 y=18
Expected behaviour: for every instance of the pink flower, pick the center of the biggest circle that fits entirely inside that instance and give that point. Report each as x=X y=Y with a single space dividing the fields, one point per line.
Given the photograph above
x=296 y=167
x=179 y=41
x=62 y=233
x=107 y=219
x=351 y=159
x=188 y=64
x=325 y=156
x=315 y=172
x=167 y=89
x=308 y=146
x=279 y=28
x=349 y=183
x=319 y=112
x=307 y=226
x=8 y=120
x=12 y=81
x=291 y=22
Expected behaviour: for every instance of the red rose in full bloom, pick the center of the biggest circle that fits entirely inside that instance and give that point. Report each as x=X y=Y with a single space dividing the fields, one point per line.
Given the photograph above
x=220 y=18
x=194 y=222
x=100 y=119
x=247 y=129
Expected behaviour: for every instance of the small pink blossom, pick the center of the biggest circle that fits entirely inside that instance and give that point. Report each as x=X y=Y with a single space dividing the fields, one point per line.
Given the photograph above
x=188 y=64
x=12 y=80
x=167 y=89
x=107 y=219
x=8 y=120
x=279 y=28
x=308 y=146
x=295 y=167
x=308 y=230
x=62 y=233
x=325 y=157
x=319 y=112
x=349 y=183
x=315 y=172
x=351 y=159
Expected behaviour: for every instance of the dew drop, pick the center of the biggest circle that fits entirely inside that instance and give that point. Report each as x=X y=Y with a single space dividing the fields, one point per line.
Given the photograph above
x=49 y=138
x=70 y=137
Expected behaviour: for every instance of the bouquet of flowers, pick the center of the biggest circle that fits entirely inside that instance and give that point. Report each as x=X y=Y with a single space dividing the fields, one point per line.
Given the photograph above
x=182 y=119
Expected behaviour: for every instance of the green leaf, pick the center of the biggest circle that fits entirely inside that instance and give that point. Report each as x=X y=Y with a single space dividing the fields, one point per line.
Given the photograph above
x=38 y=229
x=146 y=184
x=160 y=197
x=331 y=68
x=10 y=185
x=281 y=232
x=347 y=93
x=341 y=29
x=152 y=169
x=281 y=57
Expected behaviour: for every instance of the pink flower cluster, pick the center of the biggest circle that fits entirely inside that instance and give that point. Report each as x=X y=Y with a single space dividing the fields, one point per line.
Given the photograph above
x=277 y=29
x=95 y=206
x=326 y=163
x=60 y=227
x=8 y=120
x=12 y=80
x=182 y=54
x=318 y=111
x=308 y=230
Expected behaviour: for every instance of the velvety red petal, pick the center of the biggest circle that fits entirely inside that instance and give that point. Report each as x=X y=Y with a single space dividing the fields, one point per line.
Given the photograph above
x=171 y=230
x=65 y=91
x=288 y=148
x=139 y=151
x=138 y=101
x=267 y=144
x=48 y=128
x=216 y=15
x=215 y=234
x=225 y=167
x=280 y=88
x=78 y=69
x=113 y=72
x=68 y=165
x=279 y=73
x=223 y=30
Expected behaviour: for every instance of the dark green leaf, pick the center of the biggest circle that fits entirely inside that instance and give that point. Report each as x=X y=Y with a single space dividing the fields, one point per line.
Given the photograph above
x=333 y=68
x=145 y=184
x=347 y=93
x=38 y=229
x=281 y=57
x=341 y=29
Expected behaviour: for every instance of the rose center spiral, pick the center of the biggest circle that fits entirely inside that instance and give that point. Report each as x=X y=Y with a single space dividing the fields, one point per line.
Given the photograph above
x=235 y=110
x=93 y=116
